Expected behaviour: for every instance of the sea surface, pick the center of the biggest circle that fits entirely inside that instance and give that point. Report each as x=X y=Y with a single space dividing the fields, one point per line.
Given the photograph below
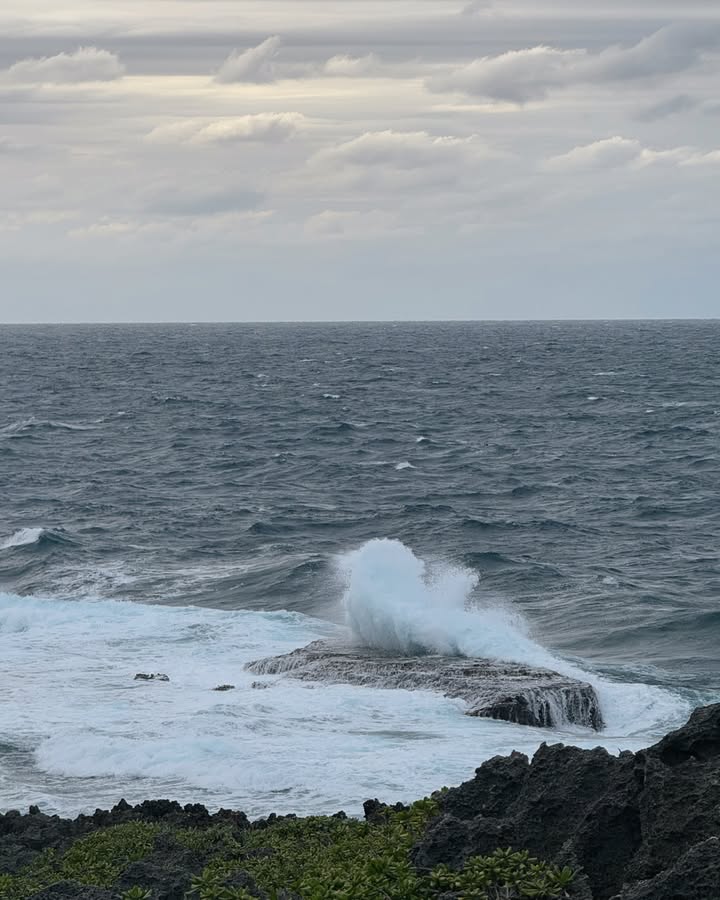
x=184 y=499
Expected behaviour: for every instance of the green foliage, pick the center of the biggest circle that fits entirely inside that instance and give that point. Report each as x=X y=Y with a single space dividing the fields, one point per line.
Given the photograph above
x=137 y=893
x=97 y=859
x=317 y=858
x=503 y=874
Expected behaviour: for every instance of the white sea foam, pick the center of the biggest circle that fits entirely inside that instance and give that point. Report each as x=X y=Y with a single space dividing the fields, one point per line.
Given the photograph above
x=395 y=602
x=22 y=538
x=404 y=465
x=87 y=733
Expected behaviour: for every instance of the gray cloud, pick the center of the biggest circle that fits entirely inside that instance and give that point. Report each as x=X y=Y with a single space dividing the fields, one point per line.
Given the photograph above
x=520 y=76
x=619 y=152
x=172 y=201
x=254 y=65
x=669 y=107
x=395 y=160
x=262 y=127
x=83 y=65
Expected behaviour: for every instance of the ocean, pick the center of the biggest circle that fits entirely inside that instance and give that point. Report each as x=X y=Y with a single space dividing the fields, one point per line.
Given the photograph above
x=185 y=499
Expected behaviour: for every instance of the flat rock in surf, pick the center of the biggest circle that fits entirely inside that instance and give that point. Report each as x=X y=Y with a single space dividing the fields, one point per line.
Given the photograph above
x=511 y=692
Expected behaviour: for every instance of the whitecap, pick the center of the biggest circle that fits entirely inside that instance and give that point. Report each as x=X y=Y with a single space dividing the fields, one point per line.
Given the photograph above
x=22 y=538
x=404 y=465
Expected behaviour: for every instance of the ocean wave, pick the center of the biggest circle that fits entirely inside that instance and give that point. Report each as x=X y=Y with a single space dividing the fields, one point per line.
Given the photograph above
x=22 y=538
x=84 y=719
x=397 y=603
x=27 y=537
x=31 y=424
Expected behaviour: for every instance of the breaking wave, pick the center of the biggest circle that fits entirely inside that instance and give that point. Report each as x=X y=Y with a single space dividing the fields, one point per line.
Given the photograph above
x=22 y=538
x=398 y=603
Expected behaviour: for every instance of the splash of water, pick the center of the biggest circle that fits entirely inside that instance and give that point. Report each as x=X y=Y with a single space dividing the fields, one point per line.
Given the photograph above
x=397 y=603
x=22 y=538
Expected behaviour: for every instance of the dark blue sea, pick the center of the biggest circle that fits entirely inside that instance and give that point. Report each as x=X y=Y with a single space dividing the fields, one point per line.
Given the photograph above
x=183 y=499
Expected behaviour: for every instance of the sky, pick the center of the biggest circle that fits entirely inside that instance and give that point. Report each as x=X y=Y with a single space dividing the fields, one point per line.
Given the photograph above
x=273 y=160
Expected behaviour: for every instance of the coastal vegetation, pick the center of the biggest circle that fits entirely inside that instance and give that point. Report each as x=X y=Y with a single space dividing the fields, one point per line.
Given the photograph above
x=317 y=858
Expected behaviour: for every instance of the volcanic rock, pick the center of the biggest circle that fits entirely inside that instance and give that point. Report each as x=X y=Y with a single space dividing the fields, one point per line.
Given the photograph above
x=641 y=826
x=511 y=692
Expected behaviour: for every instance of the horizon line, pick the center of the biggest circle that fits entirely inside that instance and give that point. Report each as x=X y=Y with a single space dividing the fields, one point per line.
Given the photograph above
x=199 y=322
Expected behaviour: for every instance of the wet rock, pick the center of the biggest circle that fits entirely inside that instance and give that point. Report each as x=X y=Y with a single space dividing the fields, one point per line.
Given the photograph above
x=158 y=676
x=496 y=690
x=225 y=687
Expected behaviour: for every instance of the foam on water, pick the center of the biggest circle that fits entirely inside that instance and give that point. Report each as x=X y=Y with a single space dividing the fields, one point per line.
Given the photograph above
x=396 y=602
x=22 y=538
x=83 y=733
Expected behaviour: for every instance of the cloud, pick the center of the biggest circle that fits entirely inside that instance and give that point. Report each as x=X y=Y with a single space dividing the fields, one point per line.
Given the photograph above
x=352 y=66
x=8 y=146
x=85 y=64
x=191 y=202
x=399 y=149
x=354 y=224
x=670 y=107
x=476 y=6
x=605 y=154
x=262 y=127
x=619 y=152
x=398 y=159
x=520 y=76
x=256 y=65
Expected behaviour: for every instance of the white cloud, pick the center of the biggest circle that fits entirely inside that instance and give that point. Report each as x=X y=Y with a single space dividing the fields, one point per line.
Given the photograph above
x=605 y=154
x=262 y=127
x=352 y=66
x=618 y=152
x=256 y=65
x=354 y=224
x=520 y=76
x=399 y=149
x=400 y=160
x=85 y=64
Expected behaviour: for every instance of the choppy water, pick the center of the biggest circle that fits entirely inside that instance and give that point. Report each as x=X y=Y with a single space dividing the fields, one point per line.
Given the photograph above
x=563 y=478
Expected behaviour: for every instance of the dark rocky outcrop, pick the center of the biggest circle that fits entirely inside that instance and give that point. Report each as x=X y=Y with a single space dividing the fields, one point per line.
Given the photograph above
x=641 y=826
x=495 y=690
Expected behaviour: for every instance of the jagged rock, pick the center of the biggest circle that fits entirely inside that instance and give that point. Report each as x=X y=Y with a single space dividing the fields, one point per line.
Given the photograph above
x=158 y=676
x=495 y=690
x=695 y=875
x=167 y=872
x=225 y=687
x=641 y=826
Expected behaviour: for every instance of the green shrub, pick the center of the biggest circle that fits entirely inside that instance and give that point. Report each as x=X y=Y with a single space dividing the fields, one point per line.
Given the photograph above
x=318 y=858
x=97 y=859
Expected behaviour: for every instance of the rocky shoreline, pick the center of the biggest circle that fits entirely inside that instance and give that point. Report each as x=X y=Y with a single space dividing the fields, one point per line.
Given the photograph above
x=642 y=826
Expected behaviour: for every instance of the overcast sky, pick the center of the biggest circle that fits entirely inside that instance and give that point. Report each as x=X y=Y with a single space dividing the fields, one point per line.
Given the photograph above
x=189 y=160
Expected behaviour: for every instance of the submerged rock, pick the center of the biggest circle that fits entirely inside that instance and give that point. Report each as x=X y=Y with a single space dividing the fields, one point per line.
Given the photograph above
x=511 y=692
